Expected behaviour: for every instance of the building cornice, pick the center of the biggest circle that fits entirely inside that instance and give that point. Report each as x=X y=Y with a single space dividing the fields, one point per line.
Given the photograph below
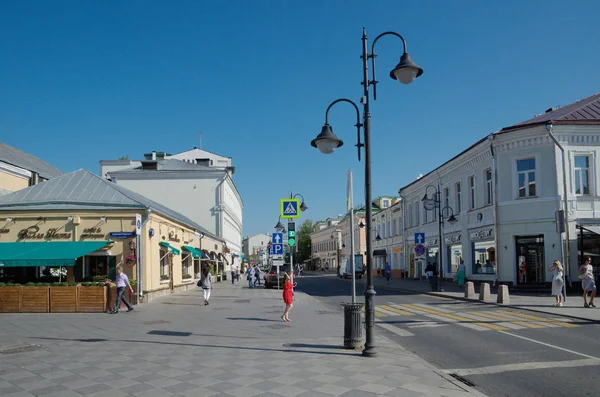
x=157 y=174
x=14 y=170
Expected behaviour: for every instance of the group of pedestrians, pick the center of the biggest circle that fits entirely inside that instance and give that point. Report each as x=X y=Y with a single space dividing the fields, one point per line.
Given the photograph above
x=253 y=275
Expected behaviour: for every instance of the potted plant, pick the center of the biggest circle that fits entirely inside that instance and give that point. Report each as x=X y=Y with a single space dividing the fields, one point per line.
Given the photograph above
x=186 y=276
x=164 y=277
x=130 y=260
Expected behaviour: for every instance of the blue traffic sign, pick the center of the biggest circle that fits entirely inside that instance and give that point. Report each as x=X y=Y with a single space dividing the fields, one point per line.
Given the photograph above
x=419 y=238
x=277 y=238
x=419 y=250
x=277 y=249
x=271 y=250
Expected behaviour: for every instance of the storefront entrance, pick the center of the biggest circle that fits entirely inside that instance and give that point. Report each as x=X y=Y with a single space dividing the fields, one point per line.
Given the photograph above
x=530 y=259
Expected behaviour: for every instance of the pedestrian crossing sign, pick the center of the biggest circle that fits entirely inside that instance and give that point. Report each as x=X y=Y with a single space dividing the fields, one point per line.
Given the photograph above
x=290 y=208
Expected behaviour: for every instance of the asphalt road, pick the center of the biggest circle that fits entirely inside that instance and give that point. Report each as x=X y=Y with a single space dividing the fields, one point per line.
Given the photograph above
x=503 y=352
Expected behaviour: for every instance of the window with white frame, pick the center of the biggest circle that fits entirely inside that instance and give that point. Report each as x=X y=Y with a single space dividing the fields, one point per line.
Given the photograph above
x=394 y=228
x=389 y=229
x=488 y=187
x=425 y=215
x=410 y=215
x=164 y=264
x=582 y=175
x=446 y=197
x=526 y=177
x=472 y=192
x=386 y=203
x=417 y=211
x=458 y=203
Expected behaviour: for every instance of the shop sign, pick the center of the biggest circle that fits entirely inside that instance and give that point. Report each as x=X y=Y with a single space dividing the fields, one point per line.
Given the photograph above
x=481 y=234
x=121 y=234
x=4 y=231
x=93 y=232
x=33 y=233
x=431 y=242
x=174 y=237
x=397 y=249
x=452 y=239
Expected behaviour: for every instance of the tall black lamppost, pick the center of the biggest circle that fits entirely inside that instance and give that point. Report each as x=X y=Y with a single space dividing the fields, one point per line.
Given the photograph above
x=430 y=204
x=405 y=72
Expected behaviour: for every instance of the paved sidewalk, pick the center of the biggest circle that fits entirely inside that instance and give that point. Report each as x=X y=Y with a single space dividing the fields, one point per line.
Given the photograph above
x=236 y=346
x=573 y=308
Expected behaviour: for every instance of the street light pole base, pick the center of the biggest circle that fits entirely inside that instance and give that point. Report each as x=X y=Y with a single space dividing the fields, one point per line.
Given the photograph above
x=369 y=351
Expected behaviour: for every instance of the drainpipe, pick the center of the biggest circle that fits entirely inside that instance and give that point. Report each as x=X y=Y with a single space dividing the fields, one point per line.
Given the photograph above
x=495 y=205
x=404 y=262
x=567 y=259
x=139 y=255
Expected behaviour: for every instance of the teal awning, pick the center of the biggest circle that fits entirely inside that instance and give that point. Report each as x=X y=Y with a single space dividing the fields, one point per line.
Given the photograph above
x=174 y=250
x=194 y=251
x=47 y=253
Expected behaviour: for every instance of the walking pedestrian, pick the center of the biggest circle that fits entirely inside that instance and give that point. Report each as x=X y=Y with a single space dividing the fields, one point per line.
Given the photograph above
x=288 y=297
x=122 y=281
x=257 y=274
x=232 y=276
x=206 y=282
x=388 y=272
x=460 y=274
x=250 y=276
x=586 y=274
x=557 y=282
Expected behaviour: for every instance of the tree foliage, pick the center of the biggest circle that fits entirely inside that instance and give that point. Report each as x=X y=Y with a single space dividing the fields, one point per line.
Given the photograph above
x=303 y=240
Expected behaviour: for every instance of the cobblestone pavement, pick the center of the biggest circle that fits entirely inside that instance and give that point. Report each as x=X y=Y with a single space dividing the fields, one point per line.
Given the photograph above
x=176 y=346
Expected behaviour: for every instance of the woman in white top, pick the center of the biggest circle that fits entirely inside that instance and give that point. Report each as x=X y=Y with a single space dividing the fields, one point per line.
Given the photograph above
x=558 y=282
x=586 y=274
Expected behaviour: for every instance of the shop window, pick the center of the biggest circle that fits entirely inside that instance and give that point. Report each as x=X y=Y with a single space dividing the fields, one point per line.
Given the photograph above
x=186 y=265
x=484 y=258
x=582 y=179
x=164 y=265
x=526 y=178
x=454 y=257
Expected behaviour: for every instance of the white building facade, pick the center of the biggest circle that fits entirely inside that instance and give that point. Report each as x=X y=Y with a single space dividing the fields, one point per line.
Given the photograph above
x=195 y=183
x=255 y=248
x=326 y=243
x=504 y=192
x=387 y=224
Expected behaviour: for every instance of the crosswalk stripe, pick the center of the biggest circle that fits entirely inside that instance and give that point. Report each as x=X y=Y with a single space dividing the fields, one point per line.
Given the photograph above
x=536 y=318
x=379 y=314
x=379 y=309
x=427 y=324
x=396 y=330
x=505 y=320
x=397 y=311
x=519 y=321
x=463 y=320
x=501 y=322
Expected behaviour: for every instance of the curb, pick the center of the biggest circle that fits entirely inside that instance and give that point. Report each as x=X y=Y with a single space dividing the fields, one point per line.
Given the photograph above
x=440 y=295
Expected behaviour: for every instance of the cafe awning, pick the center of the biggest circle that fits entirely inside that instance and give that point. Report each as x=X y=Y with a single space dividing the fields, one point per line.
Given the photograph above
x=380 y=252
x=194 y=251
x=174 y=250
x=47 y=253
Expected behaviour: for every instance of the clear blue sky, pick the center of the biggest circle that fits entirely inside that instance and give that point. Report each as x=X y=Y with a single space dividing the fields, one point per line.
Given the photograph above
x=82 y=81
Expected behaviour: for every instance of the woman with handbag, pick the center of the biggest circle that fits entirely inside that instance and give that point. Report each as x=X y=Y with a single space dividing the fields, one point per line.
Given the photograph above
x=558 y=282
x=586 y=274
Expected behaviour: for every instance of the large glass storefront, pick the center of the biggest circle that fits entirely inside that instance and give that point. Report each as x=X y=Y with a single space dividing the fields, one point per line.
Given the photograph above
x=453 y=257
x=588 y=244
x=530 y=259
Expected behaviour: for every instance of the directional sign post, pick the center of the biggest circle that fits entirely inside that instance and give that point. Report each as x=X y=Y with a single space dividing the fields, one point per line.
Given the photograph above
x=290 y=208
x=277 y=238
x=419 y=238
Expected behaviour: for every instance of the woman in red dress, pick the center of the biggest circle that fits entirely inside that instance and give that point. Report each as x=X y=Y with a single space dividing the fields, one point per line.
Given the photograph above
x=288 y=296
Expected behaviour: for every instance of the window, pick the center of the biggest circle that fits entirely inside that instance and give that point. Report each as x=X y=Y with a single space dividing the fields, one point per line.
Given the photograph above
x=164 y=264
x=410 y=215
x=582 y=180
x=425 y=215
x=458 y=198
x=526 y=177
x=471 y=192
x=185 y=265
x=393 y=231
x=386 y=203
x=446 y=197
x=417 y=210
x=488 y=187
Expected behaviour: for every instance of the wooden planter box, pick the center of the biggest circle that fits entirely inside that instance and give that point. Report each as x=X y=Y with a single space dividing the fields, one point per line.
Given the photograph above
x=91 y=299
x=10 y=299
x=35 y=299
x=63 y=299
x=112 y=298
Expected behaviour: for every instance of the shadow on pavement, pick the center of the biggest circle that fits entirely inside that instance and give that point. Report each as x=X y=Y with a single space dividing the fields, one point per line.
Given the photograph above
x=237 y=347
x=311 y=346
x=250 y=319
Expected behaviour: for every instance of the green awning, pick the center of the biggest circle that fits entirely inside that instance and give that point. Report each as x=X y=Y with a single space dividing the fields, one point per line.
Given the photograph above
x=194 y=251
x=174 y=250
x=47 y=253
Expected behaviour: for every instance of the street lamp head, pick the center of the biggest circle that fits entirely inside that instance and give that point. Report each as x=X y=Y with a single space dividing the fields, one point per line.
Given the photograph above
x=361 y=224
x=279 y=227
x=425 y=198
x=344 y=245
x=452 y=220
x=378 y=238
x=406 y=71
x=429 y=204
x=326 y=141
x=303 y=207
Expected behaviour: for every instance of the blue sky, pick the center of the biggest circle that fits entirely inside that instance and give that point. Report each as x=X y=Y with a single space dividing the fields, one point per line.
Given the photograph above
x=82 y=81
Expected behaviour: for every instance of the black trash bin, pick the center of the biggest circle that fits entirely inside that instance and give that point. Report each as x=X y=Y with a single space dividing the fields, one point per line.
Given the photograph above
x=352 y=325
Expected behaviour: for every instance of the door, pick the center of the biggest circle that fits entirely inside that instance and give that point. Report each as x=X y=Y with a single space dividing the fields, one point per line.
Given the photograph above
x=530 y=259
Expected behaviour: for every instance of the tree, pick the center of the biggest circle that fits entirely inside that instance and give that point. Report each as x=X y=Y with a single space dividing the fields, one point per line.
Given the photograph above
x=303 y=241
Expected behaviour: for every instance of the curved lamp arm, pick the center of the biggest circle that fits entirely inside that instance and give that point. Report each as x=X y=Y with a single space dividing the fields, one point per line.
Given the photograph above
x=445 y=208
x=358 y=124
x=373 y=56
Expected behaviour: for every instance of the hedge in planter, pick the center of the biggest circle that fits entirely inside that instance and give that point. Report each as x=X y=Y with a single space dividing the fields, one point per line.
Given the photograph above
x=91 y=298
x=10 y=298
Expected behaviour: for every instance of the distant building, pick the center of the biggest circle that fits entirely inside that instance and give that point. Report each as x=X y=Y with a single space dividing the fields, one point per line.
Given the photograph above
x=195 y=183
x=255 y=248
x=19 y=170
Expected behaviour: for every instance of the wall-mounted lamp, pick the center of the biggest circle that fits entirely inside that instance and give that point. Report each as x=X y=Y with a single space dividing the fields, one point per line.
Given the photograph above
x=9 y=220
x=361 y=224
x=103 y=219
x=553 y=244
x=132 y=245
x=343 y=245
x=69 y=219
x=505 y=247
